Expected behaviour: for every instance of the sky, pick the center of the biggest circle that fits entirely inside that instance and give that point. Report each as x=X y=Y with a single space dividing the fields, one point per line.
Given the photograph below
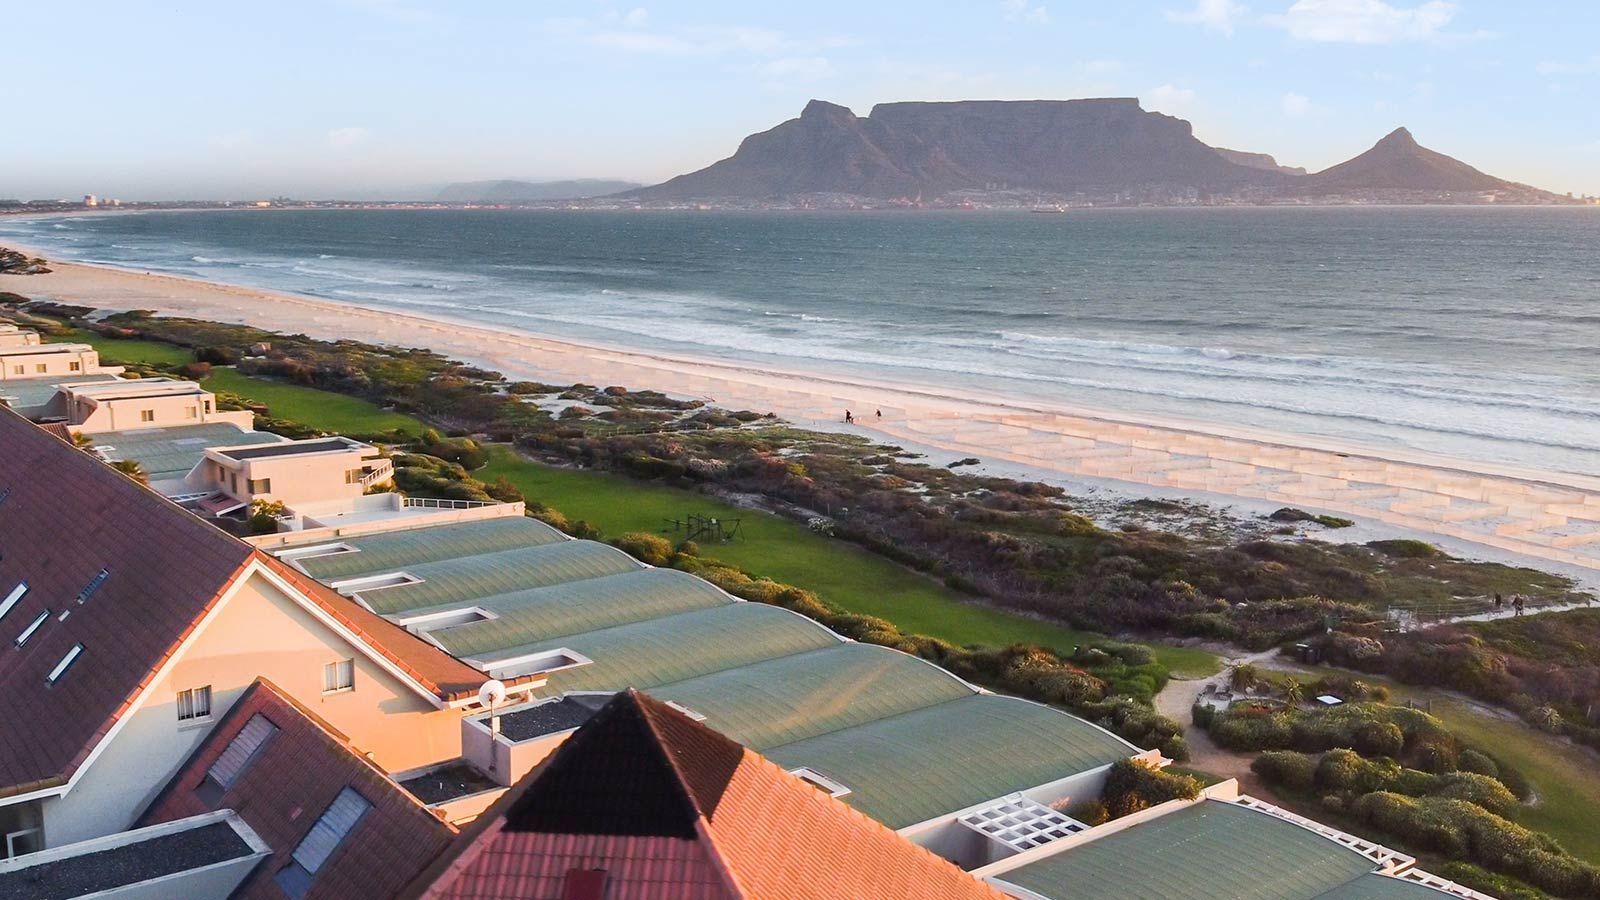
x=374 y=98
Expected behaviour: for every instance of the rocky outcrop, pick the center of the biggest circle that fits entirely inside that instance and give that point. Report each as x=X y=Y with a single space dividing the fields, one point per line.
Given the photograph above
x=1262 y=161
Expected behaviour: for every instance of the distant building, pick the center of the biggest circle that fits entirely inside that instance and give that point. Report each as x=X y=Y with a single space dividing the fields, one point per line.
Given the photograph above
x=90 y=200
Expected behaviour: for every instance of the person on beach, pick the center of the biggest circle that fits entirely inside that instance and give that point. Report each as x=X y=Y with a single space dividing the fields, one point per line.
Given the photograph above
x=880 y=414
x=849 y=418
x=1499 y=601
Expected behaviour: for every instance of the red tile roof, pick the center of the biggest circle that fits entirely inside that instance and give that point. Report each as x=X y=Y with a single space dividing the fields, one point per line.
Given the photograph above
x=65 y=517
x=286 y=786
x=668 y=808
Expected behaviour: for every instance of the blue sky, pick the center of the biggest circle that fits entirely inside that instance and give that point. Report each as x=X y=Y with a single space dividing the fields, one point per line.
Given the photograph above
x=368 y=97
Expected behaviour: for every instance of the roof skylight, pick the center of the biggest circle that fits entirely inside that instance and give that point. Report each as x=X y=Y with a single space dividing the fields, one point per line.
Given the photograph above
x=94 y=585
x=12 y=598
x=32 y=627
x=65 y=664
x=1021 y=824
x=820 y=781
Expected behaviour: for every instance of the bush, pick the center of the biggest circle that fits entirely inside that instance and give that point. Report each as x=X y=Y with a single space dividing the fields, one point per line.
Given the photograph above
x=1483 y=881
x=1479 y=763
x=648 y=548
x=1487 y=792
x=1286 y=767
x=1132 y=785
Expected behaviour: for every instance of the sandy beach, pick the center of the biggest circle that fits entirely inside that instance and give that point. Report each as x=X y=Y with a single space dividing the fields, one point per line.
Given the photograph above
x=1498 y=510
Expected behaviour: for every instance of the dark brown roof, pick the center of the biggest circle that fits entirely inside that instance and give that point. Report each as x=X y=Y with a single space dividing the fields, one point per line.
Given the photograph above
x=286 y=786
x=65 y=517
x=666 y=807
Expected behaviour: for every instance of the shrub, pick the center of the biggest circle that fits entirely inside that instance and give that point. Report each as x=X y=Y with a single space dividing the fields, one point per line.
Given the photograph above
x=1483 y=881
x=1286 y=767
x=1479 y=763
x=648 y=548
x=195 y=370
x=1202 y=714
x=1132 y=785
x=1487 y=792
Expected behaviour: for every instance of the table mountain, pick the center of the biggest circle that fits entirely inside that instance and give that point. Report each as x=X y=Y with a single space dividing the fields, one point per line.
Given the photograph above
x=910 y=149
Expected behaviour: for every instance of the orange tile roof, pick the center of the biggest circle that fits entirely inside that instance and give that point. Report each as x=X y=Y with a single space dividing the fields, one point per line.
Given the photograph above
x=665 y=807
x=284 y=789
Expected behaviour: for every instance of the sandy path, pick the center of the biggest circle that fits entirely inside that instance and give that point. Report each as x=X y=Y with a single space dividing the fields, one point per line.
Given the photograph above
x=1547 y=516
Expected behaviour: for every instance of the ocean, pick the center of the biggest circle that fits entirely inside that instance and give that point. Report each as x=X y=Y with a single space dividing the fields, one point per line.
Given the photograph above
x=1470 y=332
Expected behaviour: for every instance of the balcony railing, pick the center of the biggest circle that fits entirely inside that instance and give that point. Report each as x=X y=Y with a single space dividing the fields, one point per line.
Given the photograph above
x=436 y=503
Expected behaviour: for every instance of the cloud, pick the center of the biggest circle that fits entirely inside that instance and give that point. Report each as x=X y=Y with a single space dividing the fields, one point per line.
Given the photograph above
x=1169 y=99
x=345 y=138
x=1365 y=21
x=1295 y=106
x=1025 y=11
x=1213 y=15
x=796 y=69
x=1590 y=66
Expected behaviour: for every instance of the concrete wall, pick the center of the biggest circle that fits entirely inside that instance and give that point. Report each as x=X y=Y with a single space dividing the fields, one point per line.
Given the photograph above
x=260 y=632
x=12 y=337
x=124 y=414
x=58 y=363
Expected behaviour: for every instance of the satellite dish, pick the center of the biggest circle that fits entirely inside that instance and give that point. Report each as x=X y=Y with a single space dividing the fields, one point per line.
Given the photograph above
x=492 y=692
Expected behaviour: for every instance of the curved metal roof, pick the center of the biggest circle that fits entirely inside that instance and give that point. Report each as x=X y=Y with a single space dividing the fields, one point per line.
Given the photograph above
x=547 y=613
x=792 y=698
x=660 y=651
x=933 y=761
x=472 y=578
x=386 y=552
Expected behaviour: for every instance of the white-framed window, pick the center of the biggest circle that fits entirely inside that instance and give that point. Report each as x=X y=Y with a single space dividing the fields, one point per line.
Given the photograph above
x=194 y=704
x=339 y=676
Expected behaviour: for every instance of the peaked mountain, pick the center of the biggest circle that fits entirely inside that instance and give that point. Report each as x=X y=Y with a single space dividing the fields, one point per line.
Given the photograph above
x=509 y=191
x=1262 y=161
x=911 y=149
x=1398 y=162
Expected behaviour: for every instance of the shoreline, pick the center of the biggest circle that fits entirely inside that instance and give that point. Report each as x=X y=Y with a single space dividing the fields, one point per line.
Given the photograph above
x=1534 y=515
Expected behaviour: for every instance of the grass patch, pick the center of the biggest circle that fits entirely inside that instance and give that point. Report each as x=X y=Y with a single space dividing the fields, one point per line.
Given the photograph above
x=777 y=548
x=126 y=351
x=322 y=410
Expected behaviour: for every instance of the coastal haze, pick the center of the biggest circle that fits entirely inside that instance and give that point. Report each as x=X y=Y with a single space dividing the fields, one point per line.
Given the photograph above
x=1463 y=332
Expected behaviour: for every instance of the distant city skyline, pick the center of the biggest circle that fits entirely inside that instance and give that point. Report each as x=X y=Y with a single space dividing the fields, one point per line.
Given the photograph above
x=367 y=99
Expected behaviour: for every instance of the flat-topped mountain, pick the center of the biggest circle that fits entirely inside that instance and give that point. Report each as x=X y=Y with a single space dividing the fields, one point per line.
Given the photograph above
x=511 y=191
x=1100 y=150
x=907 y=149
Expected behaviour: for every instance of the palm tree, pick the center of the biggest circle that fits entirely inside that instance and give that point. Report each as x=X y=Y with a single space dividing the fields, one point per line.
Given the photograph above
x=1293 y=692
x=132 y=469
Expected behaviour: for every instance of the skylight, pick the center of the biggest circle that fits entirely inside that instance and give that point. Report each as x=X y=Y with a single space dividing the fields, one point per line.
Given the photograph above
x=353 y=586
x=1021 y=824
x=330 y=829
x=94 y=585
x=449 y=618
x=241 y=750
x=691 y=713
x=12 y=598
x=65 y=664
x=32 y=627
x=820 y=781
x=4 y=494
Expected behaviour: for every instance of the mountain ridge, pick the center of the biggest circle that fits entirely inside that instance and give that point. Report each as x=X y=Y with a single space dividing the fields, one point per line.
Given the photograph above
x=1094 y=149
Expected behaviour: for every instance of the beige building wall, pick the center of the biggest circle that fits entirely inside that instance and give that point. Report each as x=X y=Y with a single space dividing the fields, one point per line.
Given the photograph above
x=259 y=632
x=91 y=416
x=62 y=360
x=314 y=478
x=12 y=336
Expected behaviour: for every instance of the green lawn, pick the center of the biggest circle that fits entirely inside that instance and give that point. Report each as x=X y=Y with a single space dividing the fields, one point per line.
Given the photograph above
x=839 y=572
x=1562 y=774
x=323 y=410
x=122 y=351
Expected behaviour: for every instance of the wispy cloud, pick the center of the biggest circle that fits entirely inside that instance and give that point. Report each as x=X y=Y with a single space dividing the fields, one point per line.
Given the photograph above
x=1213 y=15
x=1295 y=106
x=1169 y=98
x=1364 y=21
x=1025 y=11
x=345 y=138
x=1590 y=66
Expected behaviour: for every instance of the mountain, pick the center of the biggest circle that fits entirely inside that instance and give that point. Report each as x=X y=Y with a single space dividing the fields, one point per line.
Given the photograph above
x=930 y=149
x=1398 y=162
x=1262 y=161
x=531 y=191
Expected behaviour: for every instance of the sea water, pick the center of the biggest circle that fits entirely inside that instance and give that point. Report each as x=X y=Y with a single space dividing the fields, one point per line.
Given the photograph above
x=1471 y=332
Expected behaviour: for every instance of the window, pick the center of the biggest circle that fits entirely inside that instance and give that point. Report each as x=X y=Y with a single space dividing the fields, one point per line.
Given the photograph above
x=147 y=415
x=32 y=627
x=41 y=368
x=194 y=704
x=353 y=476
x=191 y=412
x=74 y=367
x=339 y=676
x=12 y=598
x=337 y=821
x=17 y=370
x=239 y=754
x=820 y=781
x=261 y=485
x=207 y=405
x=65 y=664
